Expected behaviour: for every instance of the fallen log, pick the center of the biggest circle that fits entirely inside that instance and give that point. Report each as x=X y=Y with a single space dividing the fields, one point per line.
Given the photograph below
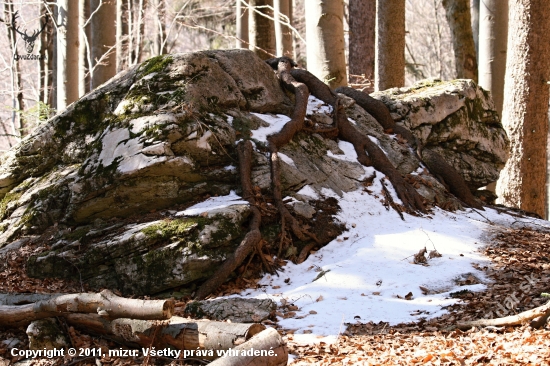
x=104 y=303
x=250 y=353
x=180 y=333
x=518 y=319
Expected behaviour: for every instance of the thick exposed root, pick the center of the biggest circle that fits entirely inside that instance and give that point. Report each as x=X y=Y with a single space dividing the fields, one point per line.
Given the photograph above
x=251 y=239
x=454 y=181
x=434 y=161
x=368 y=153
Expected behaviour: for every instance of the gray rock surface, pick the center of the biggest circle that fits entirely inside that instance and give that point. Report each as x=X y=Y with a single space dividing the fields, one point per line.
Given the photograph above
x=457 y=119
x=236 y=309
x=46 y=334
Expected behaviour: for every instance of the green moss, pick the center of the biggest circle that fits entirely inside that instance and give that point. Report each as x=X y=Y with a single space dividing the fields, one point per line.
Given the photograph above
x=155 y=64
x=9 y=197
x=169 y=229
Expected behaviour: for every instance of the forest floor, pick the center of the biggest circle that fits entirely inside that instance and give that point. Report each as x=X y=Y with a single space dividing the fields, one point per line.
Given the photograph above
x=519 y=273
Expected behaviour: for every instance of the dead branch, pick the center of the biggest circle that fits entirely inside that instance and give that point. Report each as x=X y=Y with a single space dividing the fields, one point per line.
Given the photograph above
x=512 y=320
x=105 y=302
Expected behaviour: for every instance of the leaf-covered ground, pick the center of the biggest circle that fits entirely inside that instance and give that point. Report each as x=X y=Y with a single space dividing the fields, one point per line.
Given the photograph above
x=520 y=271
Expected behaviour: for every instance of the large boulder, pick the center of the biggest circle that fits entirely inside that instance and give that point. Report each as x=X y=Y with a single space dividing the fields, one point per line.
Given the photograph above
x=457 y=119
x=109 y=178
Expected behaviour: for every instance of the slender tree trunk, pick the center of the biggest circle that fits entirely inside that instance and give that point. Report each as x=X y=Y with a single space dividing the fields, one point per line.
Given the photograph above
x=83 y=51
x=525 y=113
x=459 y=19
x=242 y=25
x=283 y=35
x=45 y=45
x=325 y=41
x=159 y=8
x=67 y=53
x=103 y=41
x=390 y=44
x=493 y=35
x=474 y=13
x=121 y=35
x=261 y=30
x=362 y=37
x=139 y=30
x=18 y=104
x=52 y=63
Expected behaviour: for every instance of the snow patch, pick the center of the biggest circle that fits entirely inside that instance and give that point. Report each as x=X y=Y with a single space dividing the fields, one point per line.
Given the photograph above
x=213 y=203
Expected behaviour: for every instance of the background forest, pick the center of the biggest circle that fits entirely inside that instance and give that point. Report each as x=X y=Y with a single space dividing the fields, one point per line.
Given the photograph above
x=54 y=52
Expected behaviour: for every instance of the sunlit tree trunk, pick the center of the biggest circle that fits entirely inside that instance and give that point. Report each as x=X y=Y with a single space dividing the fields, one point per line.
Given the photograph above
x=159 y=44
x=390 y=44
x=474 y=13
x=525 y=113
x=459 y=19
x=493 y=35
x=325 y=41
x=362 y=37
x=67 y=52
x=283 y=35
x=83 y=51
x=103 y=41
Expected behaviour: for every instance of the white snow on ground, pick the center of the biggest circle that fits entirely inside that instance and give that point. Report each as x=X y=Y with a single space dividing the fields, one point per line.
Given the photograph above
x=287 y=159
x=213 y=203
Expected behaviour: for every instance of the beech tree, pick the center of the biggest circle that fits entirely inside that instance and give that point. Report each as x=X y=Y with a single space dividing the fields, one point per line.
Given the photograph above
x=459 y=18
x=283 y=35
x=102 y=47
x=67 y=52
x=325 y=41
x=362 y=37
x=390 y=44
x=493 y=35
x=525 y=113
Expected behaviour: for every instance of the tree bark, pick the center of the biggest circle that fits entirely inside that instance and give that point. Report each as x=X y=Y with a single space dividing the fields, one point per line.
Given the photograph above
x=283 y=35
x=269 y=339
x=83 y=51
x=493 y=36
x=103 y=40
x=261 y=30
x=325 y=41
x=121 y=35
x=474 y=14
x=105 y=301
x=242 y=25
x=179 y=333
x=459 y=19
x=390 y=44
x=67 y=53
x=525 y=113
x=362 y=37
x=45 y=49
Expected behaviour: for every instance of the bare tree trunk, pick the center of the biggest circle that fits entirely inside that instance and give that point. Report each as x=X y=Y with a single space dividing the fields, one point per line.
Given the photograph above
x=326 y=57
x=83 y=67
x=362 y=37
x=474 y=14
x=261 y=30
x=242 y=25
x=52 y=63
x=390 y=44
x=458 y=16
x=138 y=29
x=525 y=113
x=160 y=28
x=103 y=41
x=493 y=35
x=67 y=53
x=283 y=35
x=19 y=129
x=44 y=50
x=121 y=35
